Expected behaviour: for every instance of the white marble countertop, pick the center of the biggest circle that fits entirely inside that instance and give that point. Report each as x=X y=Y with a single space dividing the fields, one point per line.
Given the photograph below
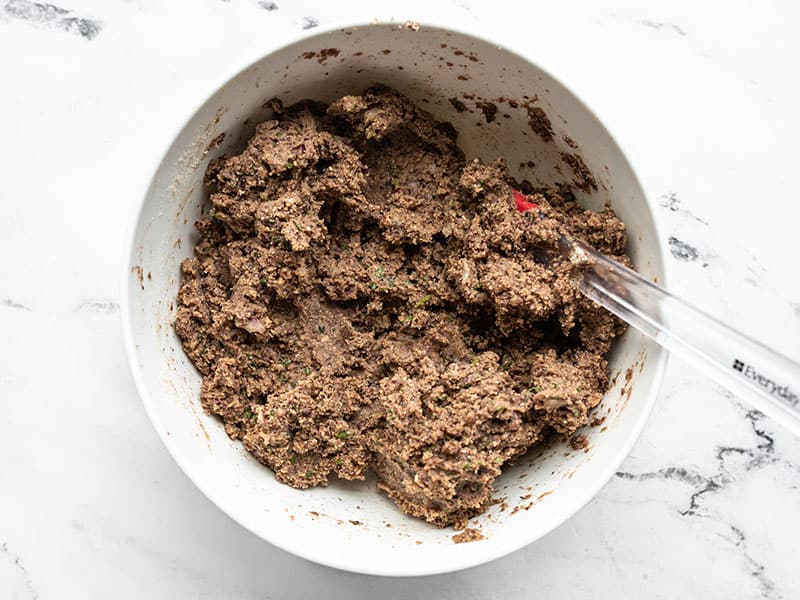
x=705 y=97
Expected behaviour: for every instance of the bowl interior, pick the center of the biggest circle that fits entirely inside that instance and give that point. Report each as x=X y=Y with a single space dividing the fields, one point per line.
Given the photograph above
x=351 y=525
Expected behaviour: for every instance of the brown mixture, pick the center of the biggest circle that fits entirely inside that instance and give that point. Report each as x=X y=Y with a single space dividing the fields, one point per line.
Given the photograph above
x=364 y=297
x=468 y=535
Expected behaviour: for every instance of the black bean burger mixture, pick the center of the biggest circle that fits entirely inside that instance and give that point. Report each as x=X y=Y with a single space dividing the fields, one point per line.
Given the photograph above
x=364 y=297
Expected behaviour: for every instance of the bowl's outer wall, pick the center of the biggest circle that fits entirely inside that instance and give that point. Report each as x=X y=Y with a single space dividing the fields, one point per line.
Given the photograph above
x=558 y=485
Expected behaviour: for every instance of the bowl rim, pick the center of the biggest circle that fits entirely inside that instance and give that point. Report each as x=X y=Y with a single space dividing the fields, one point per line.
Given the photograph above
x=311 y=553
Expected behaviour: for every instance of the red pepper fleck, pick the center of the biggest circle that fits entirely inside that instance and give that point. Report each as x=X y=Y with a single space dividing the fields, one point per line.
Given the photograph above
x=522 y=202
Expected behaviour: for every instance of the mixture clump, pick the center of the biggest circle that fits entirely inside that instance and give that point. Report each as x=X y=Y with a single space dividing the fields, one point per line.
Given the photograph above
x=362 y=296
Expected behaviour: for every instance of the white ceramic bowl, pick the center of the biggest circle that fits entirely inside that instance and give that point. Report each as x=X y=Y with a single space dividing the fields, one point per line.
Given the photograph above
x=318 y=524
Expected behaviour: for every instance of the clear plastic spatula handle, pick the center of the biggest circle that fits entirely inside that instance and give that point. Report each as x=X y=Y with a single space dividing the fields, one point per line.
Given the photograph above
x=767 y=380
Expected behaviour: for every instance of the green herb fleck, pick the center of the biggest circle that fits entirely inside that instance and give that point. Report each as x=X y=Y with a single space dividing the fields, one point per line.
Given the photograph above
x=293 y=458
x=533 y=389
x=373 y=286
x=321 y=328
x=499 y=410
x=339 y=462
x=379 y=272
x=309 y=474
x=498 y=460
x=343 y=435
x=286 y=362
x=290 y=165
x=248 y=414
x=307 y=371
x=424 y=300
x=468 y=465
x=263 y=281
